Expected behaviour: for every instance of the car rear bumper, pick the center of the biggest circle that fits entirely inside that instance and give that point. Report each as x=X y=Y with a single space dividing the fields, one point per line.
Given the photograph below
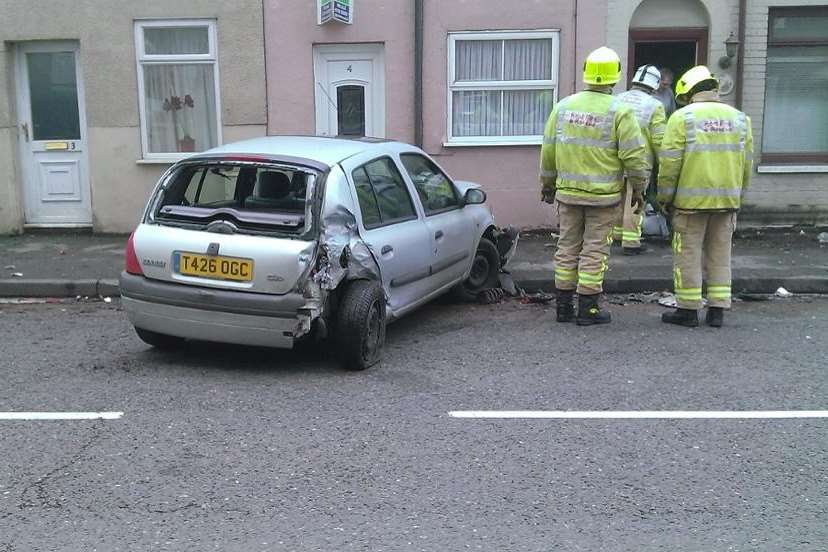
x=211 y=314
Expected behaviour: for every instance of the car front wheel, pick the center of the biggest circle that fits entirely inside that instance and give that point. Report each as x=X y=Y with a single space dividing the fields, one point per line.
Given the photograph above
x=484 y=271
x=159 y=340
x=360 y=326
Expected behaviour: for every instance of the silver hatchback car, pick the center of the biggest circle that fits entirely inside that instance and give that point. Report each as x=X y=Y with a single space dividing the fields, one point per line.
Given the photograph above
x=268 y=241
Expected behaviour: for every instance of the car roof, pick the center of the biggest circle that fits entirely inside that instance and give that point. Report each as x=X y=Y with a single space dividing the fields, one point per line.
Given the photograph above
x=329 y=151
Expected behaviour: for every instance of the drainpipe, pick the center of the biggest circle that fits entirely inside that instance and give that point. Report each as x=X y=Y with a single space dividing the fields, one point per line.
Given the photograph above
x=264 y=59
x=740 y=60
x=575 y=47
x=418 y=73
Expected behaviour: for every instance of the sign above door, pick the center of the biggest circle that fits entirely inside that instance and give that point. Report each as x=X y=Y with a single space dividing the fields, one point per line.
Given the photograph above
x=335 y=10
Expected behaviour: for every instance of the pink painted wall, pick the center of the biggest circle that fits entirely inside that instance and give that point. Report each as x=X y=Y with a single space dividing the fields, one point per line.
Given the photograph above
x=507 y=173
x=290 y=33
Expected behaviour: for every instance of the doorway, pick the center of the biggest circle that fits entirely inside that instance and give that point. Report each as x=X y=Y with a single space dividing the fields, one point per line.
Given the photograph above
x=677 y=48
x=52 y=134
x=349 y=90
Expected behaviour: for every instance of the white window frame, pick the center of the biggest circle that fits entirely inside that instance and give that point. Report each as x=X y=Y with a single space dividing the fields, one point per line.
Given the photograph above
x=453 y=37
x=142 y=59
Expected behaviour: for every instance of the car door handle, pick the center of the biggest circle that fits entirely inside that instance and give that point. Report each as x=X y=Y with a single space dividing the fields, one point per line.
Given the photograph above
x=438 y=234
x=386 y=249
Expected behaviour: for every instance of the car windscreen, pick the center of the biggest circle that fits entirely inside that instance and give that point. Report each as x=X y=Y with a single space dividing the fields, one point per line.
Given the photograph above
x=251 y=196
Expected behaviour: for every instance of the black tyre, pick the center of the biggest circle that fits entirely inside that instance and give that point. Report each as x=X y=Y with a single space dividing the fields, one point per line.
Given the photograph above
x=159 y=340
x=360 y=325
x=484 y=271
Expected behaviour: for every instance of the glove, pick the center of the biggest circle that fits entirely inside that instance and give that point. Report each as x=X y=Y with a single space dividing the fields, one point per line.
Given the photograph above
x=548 y=195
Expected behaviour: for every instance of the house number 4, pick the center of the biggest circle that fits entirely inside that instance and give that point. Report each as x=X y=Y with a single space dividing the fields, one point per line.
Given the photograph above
x=350 y=69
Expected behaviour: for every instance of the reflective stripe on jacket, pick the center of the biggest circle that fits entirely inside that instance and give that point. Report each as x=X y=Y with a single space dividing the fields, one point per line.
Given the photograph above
x=649 y=112
x=706 y=158
x=591 y=140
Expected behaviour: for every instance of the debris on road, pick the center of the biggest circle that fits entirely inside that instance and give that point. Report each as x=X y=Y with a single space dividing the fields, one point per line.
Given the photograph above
x=668 y=300
x=491 y=296
x=647 y=297
x=641 y=297
x=107 y=299
x=9 y=267
x=782 y=292
x=17 y=274
x=538 y=298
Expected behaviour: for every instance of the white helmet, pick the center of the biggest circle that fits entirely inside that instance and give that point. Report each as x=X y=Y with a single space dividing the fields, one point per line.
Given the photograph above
x=647 y=76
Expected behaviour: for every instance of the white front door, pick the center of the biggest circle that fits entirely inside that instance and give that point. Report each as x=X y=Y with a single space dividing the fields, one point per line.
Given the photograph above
x=52 y=135
x=349 y=89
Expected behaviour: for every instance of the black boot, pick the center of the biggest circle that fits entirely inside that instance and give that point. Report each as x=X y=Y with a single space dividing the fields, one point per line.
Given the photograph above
x=566 y=307
x=589 y=312
x=715 y=317
x=682 y=317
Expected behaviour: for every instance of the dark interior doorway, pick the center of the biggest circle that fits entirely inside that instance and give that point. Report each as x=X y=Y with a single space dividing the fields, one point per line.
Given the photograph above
x=679 y=49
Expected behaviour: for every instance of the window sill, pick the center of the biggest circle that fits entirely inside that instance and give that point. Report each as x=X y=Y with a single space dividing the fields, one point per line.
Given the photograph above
x=462 y=144
x=166 y=160
x=771 y=169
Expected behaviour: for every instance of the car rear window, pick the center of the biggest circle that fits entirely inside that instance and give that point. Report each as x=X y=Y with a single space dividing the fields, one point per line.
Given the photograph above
x=248 y=193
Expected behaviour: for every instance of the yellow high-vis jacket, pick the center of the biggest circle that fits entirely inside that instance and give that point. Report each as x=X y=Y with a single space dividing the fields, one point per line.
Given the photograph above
x=649 y=112
x=590 y=142
x=706 y=158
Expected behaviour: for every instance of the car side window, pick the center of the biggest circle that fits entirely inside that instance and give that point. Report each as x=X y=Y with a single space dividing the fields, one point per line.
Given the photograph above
x=389 y=188
x=382 y=195
x=367 y=199
x=433 y=186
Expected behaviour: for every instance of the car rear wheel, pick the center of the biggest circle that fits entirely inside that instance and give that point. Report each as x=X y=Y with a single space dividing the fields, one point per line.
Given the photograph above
x=159 y=340
x=360 y=325
x=484 y=271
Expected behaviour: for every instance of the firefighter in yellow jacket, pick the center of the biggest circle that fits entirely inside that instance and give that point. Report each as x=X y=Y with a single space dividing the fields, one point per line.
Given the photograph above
x=704 y=171
x=591 y=140
x=649 y=112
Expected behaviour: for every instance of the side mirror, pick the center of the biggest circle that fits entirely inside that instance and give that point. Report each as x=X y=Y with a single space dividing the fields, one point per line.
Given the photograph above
x=474 y=196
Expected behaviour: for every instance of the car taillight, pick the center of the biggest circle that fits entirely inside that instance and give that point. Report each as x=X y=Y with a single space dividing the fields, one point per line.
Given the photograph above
x=131 y=263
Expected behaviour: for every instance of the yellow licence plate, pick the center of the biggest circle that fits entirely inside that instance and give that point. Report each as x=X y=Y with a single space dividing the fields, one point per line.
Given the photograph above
x=215 y=266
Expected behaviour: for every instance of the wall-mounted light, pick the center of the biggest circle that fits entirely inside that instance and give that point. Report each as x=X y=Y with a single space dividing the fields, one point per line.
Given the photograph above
x=731 y=47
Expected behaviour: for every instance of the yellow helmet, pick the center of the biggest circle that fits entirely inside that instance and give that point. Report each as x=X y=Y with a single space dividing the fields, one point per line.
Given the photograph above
x=691 y=78
x=602 y=67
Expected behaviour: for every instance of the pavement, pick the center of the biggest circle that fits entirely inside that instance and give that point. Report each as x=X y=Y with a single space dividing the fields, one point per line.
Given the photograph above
x=71 y=264
x=242 y=449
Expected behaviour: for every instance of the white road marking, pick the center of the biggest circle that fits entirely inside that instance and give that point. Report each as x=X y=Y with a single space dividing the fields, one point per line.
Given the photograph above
x=60 y=415
x=640 y=414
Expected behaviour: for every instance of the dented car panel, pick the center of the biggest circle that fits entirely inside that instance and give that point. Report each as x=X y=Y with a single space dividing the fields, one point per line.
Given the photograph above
x=304 y=246
x=343 y=253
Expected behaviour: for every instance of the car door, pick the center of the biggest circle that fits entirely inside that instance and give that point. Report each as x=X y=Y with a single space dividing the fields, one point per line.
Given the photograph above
x=452 y=233
x=391 y=226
